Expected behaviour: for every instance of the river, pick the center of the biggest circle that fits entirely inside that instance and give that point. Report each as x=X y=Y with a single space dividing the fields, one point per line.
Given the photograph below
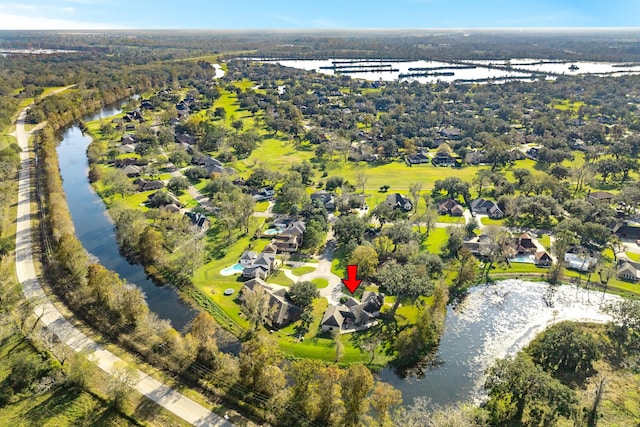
x=96 y=231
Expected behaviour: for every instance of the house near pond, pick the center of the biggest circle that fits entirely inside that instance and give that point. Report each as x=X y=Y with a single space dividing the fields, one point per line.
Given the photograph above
x=353 y=314
x=280 y=311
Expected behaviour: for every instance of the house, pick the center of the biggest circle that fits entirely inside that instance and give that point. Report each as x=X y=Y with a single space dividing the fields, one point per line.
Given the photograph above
x=198 y=220
x=326 y=199
x=475 y=158
x=580 y=259
x=280 y=310
x=525 y=244
x=131 y=171
x=542 y=259
x=450 y=207
x=487 y=207
x=127 y=148
x=444 y=159
x=209 y=163
x=146 y=104
x=248 y=257
x=185 y=138
x=145 y=185
x=398 y=201
x=627 y=230
x=172 y=208
x=261 y=267
x=353 y=314
x=264 y=194
x=121 y=163
x=532 y=153
x=599 y=196
x=290 y=238
x=418 y=158
x=628 y=271
x=450 y=133
x=479 y=246
x=128 y=139
x=270 y=249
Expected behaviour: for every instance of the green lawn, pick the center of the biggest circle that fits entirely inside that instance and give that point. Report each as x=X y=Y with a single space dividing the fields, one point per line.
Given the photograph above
x=450 y=219
x=488 y=221
x=545 y=240
x=436 y=239
x=633 y=256
x=302 y=270
x=320 y=282
x=262 y=206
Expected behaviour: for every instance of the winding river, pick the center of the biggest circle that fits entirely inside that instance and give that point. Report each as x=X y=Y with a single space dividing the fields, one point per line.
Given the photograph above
x=95 y=229
x=493 y=321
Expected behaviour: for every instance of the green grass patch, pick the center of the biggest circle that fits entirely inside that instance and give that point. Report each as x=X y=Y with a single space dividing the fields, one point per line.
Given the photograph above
x=320 y=282
x=436 y=239
x=450 y=219
x=545 y=240
x=279 y=278
x=489 y=221
x=566 y=105
x=633 y=256
x=303 y=270
x=262 y=206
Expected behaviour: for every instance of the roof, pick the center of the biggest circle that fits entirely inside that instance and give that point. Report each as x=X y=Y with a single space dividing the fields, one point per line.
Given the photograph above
x=542 y=255
x=397 y=200
x=197 y=219
x=600 y=195
x=332 y=317
x=249 y=255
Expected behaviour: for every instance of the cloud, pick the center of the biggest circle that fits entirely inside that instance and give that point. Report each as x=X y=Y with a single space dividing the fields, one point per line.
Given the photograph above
x=10 y=21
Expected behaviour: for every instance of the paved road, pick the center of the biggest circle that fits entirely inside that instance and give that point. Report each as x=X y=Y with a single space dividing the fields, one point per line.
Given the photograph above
x=50 y=317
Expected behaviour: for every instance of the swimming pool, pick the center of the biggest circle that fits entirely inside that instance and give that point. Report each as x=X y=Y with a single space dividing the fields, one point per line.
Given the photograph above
x=234 y=269
x=271 y=231
x=522 y=258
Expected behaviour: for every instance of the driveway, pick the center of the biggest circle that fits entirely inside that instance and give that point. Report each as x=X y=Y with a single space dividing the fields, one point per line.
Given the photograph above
x=50 y=317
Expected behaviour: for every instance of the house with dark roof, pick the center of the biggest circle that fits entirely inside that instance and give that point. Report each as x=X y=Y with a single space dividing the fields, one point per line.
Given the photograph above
x=281 y=311
x=525 y=245
x=627 y=230
x=198 y=220
x=148 y=185
x=475 y=158
x=353 y=314
x=479 y=246
x=450 y=207
x=248 y=257
x=418 y=158
x=326 y=199
x=542 y=259
x=128 y=139
x=398 y=201
x=290 y=238
x=599 y=196
x=488 y=207
x=444 y=159
x=263 y=194
x=185 y=138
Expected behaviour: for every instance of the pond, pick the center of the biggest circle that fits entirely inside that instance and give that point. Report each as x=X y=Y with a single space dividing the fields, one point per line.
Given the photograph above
x=493 y=322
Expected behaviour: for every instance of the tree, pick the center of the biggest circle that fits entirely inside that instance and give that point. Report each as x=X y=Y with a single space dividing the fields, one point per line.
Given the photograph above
x=401 y=232
x=79 y=370
x=520 y=391
x=330 y=405
x=452 y=186
x=383 y=398
x=259 y=365
x=179 y=158
x=404 y=281
x=454 y=242
x=356 y=383
x=366 y=258
x=150 y=245
x=256 y=305
x=119 y=183
x=384 y=246
x=361 y=180
x=122 y=380
x=564 y=347
x=349 y=228
x=304 y=385
x=178 y=184
x=521 y=175
x=465 y=275
x=303 y=293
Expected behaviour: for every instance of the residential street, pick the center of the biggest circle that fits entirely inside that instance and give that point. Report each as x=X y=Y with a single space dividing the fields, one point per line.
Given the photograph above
x=50 y=317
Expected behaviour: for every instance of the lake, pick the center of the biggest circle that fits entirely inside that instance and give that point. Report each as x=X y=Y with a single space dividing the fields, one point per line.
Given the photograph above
x=494 y=322
x=462 y=71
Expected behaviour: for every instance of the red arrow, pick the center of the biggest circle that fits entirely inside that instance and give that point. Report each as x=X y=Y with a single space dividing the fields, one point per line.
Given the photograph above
x=351 y=282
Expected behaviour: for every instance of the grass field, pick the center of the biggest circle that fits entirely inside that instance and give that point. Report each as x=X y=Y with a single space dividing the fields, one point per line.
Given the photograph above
x=436 y=239
x=488 y=221
x=320 y=282
x=450 y=219
x=633 y=256
x=302 y=270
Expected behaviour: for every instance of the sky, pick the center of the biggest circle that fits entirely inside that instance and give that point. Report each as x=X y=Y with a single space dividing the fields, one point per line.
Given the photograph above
x=315 y=14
